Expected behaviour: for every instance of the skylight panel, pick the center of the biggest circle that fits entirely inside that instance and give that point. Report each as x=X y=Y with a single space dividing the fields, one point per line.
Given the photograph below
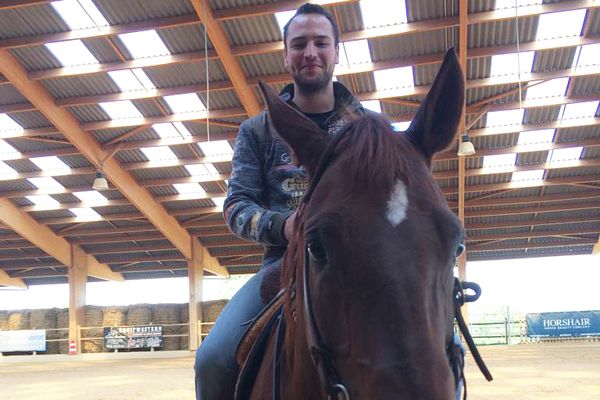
x=560 y=24
x=79 y=15
x=6 y=170
x=500 y=160
x=283 y=18
x=219 y=201
x=184 y=103
x=43 y=200
x=86 y=213
x=354 y=52
x=161 y=153
x=170 y=130
x=504 y=118
x=401 y=126
x=394 y=78
x=382 y=12
x=551 y=88
x=528 y=176
x=580 y=110
x=91 y=196
x=8 y=125
x=508 y=64
x=7 y=150
x=51 y=163
x=589 y=55
x=373 y=105
x=202 y=169
x=144 y=44
x=143 y=78
x=120 y=109
x=71 y=52
x=564 y=155
x=502 y=4
x=216 y=148
x=126 y=80
x=189 y=188
x=535 y=137
x=46 y=183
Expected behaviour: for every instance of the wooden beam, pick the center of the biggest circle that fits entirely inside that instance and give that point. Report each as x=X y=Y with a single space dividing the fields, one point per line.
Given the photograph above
x=7 y=280
x=519 y=185
x=192 y=116
x=157 y=23
x=562 y=243
x=536 y=222
x=496 y=212
x=232 y=66
x=69 y=126
x=149 y=62
x=12 y=4
x=195 y=279
x=537 y=234
x=546 y=198
x=272 y=8
x=43 y=237
x=77 y=274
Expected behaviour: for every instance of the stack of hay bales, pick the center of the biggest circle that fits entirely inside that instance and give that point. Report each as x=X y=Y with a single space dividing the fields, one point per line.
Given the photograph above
x=62 y=322
x=45 y=319
x=167 y=314
x=184 y=329
x=18 y=320
x=211 y=311
x=114 y=316
x=3 y=320
x=93 y=319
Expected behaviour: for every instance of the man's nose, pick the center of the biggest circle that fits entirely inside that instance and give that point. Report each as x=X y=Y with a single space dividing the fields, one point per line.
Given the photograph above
x=310 y=51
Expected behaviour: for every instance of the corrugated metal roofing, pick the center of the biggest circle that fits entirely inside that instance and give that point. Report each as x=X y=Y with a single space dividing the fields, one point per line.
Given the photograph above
x=118 y=12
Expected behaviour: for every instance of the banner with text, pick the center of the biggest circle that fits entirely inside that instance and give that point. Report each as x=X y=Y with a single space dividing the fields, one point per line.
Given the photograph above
x=26 y=340
x=564 y=324
x=133 y=337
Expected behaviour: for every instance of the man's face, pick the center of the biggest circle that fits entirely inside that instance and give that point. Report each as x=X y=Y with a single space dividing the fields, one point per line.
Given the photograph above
x=311 y=53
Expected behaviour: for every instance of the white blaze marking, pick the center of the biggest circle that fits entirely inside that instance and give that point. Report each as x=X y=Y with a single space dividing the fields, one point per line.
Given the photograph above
x=397 y=204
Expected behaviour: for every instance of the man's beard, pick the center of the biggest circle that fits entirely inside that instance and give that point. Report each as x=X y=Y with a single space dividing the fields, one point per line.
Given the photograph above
x=312 y=86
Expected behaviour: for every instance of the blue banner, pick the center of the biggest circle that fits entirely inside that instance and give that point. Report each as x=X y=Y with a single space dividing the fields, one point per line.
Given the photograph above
x=27 y=340
x=564 y=324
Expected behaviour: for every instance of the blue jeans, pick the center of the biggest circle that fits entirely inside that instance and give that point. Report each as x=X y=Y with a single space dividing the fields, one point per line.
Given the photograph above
x=215 y=366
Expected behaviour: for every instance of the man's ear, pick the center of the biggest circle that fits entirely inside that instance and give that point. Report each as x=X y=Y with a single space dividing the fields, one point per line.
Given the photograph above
x=306 y=139
x=435 y=124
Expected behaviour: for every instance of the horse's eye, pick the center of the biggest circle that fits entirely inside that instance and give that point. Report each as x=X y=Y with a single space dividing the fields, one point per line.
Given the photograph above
x=317 y=252
x=460 y=249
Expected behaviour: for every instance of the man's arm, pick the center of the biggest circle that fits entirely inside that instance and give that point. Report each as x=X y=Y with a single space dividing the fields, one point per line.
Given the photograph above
x=243 y=209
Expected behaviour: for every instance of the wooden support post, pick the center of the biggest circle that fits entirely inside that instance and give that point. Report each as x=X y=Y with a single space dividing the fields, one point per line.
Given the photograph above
x=195 y=276
x=77 y=285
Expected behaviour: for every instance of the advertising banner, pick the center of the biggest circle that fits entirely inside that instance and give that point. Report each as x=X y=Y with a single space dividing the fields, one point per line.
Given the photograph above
x=26 y=340
x=133 y=337
x=564 y=324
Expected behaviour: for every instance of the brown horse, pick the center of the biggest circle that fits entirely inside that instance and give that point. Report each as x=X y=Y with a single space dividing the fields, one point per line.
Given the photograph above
x=368 y=277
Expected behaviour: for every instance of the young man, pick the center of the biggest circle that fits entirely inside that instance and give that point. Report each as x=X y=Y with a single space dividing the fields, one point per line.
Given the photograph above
x=265 y=188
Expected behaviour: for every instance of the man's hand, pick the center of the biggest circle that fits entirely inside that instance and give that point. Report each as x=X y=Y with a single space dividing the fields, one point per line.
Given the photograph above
x=288 y=228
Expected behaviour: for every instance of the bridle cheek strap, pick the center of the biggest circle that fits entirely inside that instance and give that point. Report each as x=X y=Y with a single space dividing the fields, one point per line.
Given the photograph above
x=320 y=355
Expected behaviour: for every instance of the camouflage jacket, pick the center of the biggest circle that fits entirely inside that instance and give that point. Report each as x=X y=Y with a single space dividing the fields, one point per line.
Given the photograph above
x=265 y=187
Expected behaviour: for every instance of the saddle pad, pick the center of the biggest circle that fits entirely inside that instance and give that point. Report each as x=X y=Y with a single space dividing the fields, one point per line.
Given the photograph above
x=256 y=340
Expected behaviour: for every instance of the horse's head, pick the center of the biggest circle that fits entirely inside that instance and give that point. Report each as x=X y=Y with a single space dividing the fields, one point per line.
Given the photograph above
x=381 y=244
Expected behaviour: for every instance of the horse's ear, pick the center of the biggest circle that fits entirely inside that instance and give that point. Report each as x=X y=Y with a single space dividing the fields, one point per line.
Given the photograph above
x=435 y=124
x=306 y=139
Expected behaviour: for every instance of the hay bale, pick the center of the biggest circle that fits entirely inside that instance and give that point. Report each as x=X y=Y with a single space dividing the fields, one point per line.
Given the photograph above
x=18 y=320
x=114 y=316
x=3 y=320
x=62 y=322
x=93 y=331
x=167 y=314
x=45 y=319
x=139 y=314
x=211 y=311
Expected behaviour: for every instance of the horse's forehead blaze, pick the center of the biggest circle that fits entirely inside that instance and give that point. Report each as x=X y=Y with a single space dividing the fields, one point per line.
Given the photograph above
x=397 y=203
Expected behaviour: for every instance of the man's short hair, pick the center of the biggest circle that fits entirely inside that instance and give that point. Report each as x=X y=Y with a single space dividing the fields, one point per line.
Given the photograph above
x=310 y=8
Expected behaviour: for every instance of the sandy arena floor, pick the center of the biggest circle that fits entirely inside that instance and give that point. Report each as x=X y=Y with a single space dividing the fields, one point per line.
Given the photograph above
x=532 y=371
